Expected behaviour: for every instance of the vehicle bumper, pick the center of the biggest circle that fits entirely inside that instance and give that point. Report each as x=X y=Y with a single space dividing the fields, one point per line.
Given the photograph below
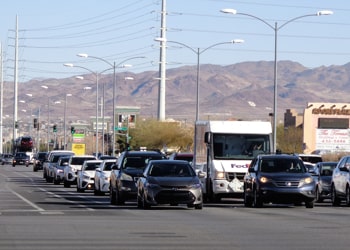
x=287 y=195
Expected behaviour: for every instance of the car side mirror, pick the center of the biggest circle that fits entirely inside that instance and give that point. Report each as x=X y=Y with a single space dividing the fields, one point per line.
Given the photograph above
x=201 y=174
x=251 y=170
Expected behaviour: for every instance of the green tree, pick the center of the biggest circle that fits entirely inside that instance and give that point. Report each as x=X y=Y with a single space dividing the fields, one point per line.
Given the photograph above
x=154 y=134
x=290 y=139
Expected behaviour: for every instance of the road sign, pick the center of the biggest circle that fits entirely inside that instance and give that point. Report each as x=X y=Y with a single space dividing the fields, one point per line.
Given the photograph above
x=120 y=128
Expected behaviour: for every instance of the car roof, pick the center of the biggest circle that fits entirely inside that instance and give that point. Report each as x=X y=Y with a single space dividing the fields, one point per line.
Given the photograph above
x=279 y=156
x=142 y=153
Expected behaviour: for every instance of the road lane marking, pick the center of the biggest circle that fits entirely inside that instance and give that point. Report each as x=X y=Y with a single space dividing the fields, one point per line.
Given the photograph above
x=26 y=200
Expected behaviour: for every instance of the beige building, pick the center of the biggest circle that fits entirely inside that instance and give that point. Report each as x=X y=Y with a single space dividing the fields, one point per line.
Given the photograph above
x=325 y=126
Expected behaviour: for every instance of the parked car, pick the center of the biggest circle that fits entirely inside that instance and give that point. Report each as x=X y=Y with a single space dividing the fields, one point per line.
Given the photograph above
x=6 y=159
x=74 y=165
x=279 y=179
x=324 y=174
x=20 y=158
x=38 y=161
x=102 y=175
x=169 y=182
x=85 y=176
x=125 y=173
x=58 y=169
x=340 y=187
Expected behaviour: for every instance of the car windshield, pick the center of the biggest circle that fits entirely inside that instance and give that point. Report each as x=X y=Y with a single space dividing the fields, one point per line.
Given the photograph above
x=282 y=165
x=80 y=160
x=108 y=166
x=139 y=161
x=92 y=166
x=171 y=170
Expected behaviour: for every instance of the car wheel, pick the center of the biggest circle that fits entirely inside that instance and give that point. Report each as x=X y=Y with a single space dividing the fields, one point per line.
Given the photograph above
x=119 y=199
x=56 y=181
x=112 y=197
x=80 y=190
x=139 y=201
x=145 y=204
x=347 y=196
x=198 y=206
x=247 y=200
x=318 y=195
x=334 y=198
x=309 y=204
x=66 y=184
x=257 y=202
x=35 y=169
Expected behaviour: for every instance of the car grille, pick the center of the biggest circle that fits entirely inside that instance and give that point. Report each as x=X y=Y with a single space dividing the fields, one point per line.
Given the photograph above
x=174 y=196
x=287 y=183
x=231 y=176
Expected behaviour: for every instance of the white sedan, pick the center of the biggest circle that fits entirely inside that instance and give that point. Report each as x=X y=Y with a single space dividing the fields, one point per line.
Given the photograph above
x=85 y=176
x=102 y=175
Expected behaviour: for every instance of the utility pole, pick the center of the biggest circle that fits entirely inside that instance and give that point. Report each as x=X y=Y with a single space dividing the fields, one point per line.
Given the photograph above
x=15 y=122
x=162 y=65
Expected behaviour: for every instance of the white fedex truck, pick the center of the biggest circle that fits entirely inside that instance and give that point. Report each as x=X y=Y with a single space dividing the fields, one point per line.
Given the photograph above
x=228 y=147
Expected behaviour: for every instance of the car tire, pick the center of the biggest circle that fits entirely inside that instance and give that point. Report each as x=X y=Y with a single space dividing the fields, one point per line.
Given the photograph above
x=257 y=202
x=334 y=198
x=247 y=200
x=309 y=204
x=112 y=197
x=139 y=201
x=118 y=198
x=66 y=184
x=198 y=206
x=318 y=195
x=56 y=181
x=145 y=204
x=347 y=197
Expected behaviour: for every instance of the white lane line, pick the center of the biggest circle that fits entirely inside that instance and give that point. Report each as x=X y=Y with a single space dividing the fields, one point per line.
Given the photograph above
x=69 y=201
x=27 y=201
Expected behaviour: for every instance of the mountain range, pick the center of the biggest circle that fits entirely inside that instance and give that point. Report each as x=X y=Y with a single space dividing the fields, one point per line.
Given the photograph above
x=238 y=91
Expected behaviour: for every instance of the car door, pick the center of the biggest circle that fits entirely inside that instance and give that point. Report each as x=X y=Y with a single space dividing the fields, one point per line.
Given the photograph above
x=341 y=175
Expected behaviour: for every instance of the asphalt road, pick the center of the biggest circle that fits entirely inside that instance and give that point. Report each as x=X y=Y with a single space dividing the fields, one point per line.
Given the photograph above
x=39 y=215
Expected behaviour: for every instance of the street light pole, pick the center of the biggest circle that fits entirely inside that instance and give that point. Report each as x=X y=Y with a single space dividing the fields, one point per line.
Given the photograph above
x=114 y=66
x=64 y=122
x=275 y=28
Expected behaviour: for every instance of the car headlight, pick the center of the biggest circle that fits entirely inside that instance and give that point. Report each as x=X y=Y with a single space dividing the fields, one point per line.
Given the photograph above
x=59 y=171
x=263 y=179
x=220 y=175
x=86 y=176
x=125 y=177
x=196 y=186
x=305 y=181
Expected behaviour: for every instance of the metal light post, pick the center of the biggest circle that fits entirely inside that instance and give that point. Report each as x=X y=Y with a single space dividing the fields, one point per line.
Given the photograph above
x=64 y=122
x=198 y=52
x=96 y=75
x=114 y=66
x=48 y=119
x=275 y=28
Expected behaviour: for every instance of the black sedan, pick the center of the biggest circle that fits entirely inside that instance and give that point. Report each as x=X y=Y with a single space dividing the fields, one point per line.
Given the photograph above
x=169 y=182
x=279 y=179
x=324 y=173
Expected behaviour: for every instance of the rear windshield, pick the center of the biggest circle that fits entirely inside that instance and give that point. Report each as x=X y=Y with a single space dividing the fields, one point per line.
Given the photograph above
x=139 y=161
x=80 y=160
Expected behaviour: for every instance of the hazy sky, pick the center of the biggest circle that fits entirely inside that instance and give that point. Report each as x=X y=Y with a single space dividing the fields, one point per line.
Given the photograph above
x=53 y=32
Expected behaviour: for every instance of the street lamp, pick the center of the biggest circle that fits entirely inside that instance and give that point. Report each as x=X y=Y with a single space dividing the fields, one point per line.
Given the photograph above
x=198 y=52
x=96 y=75
x=114 y=66
x=64 y=122
x=275 y=28
x=48 y=119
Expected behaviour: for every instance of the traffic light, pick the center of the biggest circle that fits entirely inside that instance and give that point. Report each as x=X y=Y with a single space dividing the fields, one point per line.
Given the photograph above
x=54 y=128
x=35 y=123
x=72 y=130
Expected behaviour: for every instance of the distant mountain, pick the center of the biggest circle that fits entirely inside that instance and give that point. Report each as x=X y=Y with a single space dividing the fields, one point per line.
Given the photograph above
x=243 y=90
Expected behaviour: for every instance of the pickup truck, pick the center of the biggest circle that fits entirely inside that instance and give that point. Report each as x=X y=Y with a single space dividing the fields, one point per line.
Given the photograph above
x=20 y=158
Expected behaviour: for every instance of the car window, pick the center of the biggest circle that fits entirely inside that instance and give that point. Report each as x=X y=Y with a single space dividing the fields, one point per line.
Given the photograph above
x=281 y=165
x=174 y=170
x=139 y=161
x=92 y=166
x=80 y=160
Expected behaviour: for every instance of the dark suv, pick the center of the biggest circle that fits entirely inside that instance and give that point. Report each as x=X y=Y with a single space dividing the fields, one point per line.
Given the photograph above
x=39 y=159
x=125 y=173
x=278 y=179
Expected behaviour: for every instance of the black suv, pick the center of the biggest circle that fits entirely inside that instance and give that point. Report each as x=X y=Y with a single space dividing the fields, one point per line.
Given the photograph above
x=20 y=158
x=278 y=179
x=125 y=173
